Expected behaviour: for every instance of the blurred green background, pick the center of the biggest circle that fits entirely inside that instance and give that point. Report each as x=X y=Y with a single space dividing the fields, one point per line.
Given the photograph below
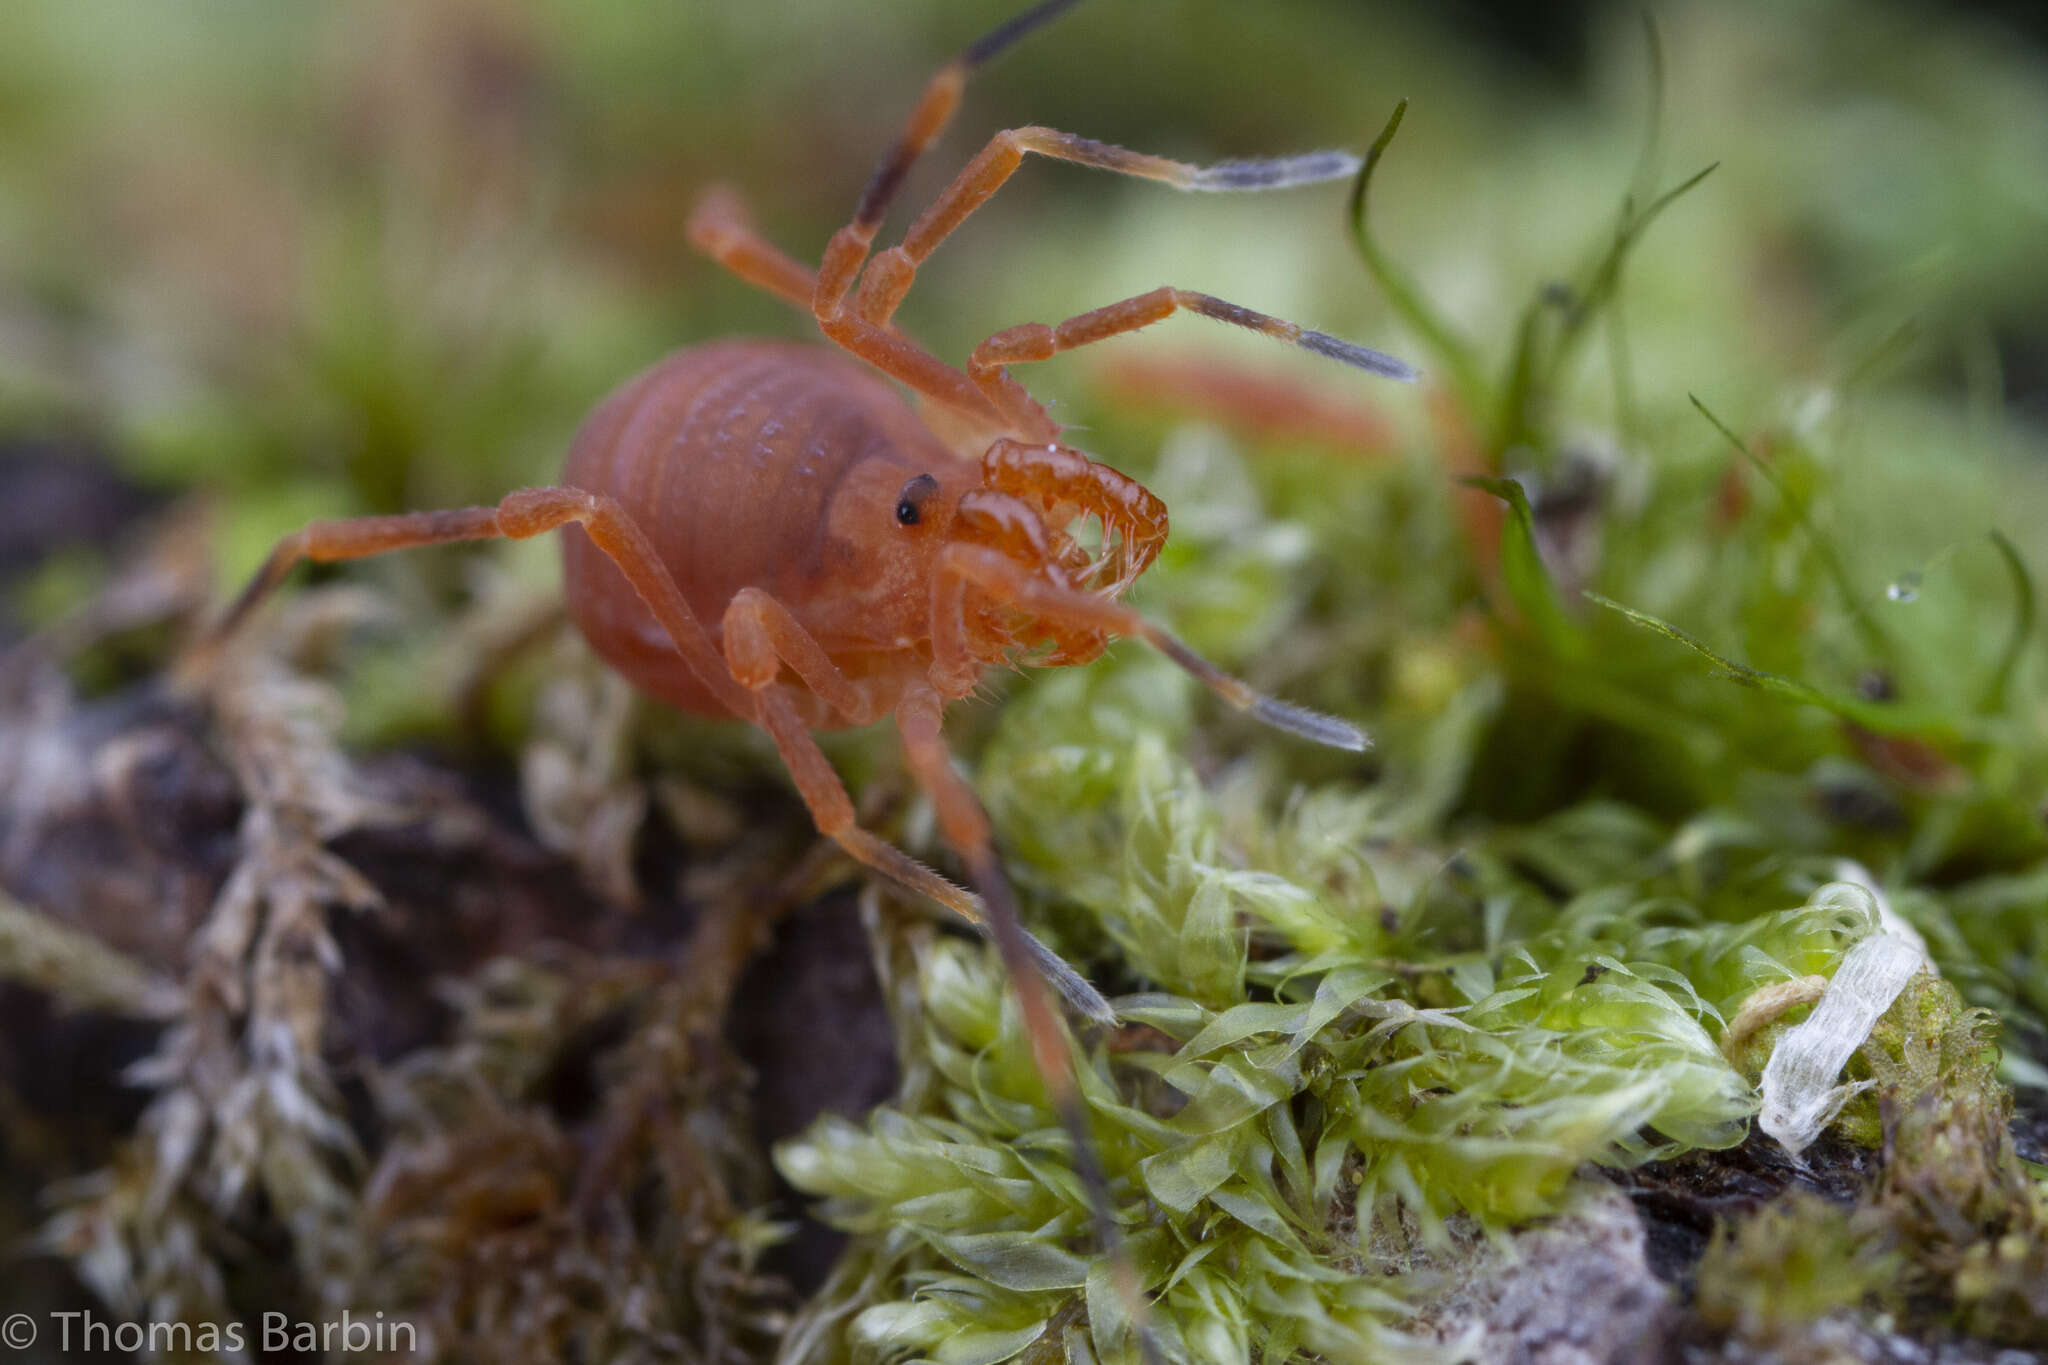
x=386 y=254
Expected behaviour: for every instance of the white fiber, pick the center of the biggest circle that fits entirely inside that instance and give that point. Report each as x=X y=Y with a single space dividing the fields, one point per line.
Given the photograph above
x=1798 y=1090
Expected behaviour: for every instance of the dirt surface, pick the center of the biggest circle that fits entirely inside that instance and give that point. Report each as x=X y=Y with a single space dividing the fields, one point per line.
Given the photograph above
x=1681 y=1200
x=57 y=491
x=137 y=862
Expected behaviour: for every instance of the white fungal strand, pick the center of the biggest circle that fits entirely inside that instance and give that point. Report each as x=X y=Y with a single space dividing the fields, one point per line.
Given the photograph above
x=1798 y=1091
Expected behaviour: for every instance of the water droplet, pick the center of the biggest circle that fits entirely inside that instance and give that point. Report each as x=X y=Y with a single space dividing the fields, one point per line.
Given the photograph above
x=1905 y=589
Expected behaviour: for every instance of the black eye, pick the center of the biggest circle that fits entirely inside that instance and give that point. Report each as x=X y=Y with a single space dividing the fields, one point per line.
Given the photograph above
x=910 y=502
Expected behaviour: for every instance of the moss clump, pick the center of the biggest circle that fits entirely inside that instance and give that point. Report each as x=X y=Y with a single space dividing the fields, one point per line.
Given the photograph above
x=1371 y=1013
x=1929 y=1043
x=1953 y=1231
x=1294 y=1092
x=1968 y=1217
x=1769 y=1276
x=1371 y=1010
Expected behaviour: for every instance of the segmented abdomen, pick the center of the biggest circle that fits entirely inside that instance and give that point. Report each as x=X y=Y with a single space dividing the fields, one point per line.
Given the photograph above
x=727 y=456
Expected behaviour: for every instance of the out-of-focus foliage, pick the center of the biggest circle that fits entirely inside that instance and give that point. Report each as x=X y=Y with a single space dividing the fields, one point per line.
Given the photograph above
x=1699 y=574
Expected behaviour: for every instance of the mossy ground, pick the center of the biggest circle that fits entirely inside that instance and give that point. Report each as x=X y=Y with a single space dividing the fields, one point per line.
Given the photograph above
x=1690 y=601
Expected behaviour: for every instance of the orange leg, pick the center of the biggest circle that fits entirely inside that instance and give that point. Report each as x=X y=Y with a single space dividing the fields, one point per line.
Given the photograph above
x=963 y=567
x=1036 y=341
x=890 y=275
x=760 y=637
x=720 y=228
x=1268 y=407
x=934 y=110
x=327 y=541
x=990 y=400
x=526 y=513
x=965 y=826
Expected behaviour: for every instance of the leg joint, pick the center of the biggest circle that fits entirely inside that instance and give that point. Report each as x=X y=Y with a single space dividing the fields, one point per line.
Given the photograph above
x=749 y=650
x=1014 y=345
x=529 y=512
x=884 y=283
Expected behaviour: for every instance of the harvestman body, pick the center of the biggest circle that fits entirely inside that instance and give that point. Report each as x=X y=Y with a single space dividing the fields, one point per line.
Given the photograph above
x=766 y=530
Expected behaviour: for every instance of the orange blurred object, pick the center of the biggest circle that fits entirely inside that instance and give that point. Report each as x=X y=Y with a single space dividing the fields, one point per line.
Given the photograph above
x=1262 y=406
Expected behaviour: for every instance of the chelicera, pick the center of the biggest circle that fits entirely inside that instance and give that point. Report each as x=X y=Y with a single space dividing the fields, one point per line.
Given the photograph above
x=767 y=530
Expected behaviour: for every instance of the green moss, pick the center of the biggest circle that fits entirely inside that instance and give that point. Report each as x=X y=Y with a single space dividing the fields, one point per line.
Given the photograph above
x=1929 y=1043
x=1373 y=1006
x=1797 y=1259
x=1305 y=1084
x=1370 y=1007
x=1953 y=1231
x=1968 y=1217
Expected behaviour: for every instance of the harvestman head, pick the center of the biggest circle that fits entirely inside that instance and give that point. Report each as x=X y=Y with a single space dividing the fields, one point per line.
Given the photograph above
x=946 y=564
